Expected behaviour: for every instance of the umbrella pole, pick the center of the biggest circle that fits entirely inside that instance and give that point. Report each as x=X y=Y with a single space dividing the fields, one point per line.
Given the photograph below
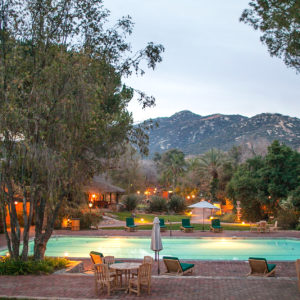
x=202 y=219
x=158 y=270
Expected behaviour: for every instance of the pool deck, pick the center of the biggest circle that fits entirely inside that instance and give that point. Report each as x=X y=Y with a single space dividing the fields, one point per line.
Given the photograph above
x=211 y=280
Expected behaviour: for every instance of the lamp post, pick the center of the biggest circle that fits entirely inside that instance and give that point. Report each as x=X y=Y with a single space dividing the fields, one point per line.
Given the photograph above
x=90 y=206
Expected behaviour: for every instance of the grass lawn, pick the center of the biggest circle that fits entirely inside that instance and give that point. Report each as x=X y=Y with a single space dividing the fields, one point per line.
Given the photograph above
x=148 y=218
x=197 y=227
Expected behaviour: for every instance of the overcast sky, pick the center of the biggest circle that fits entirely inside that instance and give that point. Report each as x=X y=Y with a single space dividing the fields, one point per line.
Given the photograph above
x=212 y=63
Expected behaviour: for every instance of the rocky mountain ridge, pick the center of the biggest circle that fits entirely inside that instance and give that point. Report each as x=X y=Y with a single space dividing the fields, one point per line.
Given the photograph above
x=195 y=134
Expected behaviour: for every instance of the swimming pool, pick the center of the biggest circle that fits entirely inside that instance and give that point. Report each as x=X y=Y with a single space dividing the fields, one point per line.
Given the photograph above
x=185 y=248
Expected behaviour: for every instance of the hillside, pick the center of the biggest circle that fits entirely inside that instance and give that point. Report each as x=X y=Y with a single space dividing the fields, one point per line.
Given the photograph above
x=195 y=134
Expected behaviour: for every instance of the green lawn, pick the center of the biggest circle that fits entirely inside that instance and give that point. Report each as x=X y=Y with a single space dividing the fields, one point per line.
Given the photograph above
x=197 y=227
x=148 y=218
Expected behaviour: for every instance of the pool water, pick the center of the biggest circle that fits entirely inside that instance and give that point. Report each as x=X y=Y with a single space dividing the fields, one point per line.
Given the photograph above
x=185 y=248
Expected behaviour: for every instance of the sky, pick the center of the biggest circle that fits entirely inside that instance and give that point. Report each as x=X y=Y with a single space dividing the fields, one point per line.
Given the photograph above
x=212 y=62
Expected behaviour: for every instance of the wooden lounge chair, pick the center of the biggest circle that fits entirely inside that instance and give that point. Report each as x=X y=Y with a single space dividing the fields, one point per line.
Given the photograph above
x=216 y=225
x=143 y=279
x=96 y=257
x=186 y=226
x=130 y=226
x=260 y=267
x=103 y=277
x=162 y=225
x=274 y=228
x=175 y=267
x=298 y=272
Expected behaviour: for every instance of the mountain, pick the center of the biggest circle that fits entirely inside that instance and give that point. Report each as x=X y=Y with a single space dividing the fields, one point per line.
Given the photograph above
x=195 y=134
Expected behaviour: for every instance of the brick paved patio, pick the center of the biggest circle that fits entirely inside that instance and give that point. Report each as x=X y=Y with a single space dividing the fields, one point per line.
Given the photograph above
x=211 y=280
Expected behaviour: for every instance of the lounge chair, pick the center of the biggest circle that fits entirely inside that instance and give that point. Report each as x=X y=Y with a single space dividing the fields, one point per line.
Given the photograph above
x=175 y=267
x=143 y=279
x=260 y=267
x=186 y=226
x=130 y=226
x=216 y=225
x=298 y=272
x=96 y=257
x=162 y=225
x=274 y=228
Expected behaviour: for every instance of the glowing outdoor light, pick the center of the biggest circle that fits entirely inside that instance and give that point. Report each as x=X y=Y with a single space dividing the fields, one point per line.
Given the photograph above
x=138 y=192
x=7 y=254
x=16 y=202
x=142 y=220
x=93 y=196
x=90 y=205
x=66 y=254
x=188 y=197
x=193 y=196
x=243 y=223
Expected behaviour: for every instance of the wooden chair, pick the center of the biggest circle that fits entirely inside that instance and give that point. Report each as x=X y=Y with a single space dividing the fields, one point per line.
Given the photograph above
x=162 y=225
x=298 y=272
x=260 y=267
x=186 y=226
x=148 y=260
x=109 y=260
x=103 y=278
x=274 y=228
x=130 y=226
x=263 y=226
x=143 y=279
x=96 y=257
x=175 y=267
x=216 y=225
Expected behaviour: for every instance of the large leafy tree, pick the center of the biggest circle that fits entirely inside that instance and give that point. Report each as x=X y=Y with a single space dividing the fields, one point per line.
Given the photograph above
x=63 y=106
x=279 y=22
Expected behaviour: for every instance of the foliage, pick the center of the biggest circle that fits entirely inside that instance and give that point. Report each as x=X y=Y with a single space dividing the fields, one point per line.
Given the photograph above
x=158 y=204
x=298 y=227
x=1 y=223
x=228 y=218
x=294 y=197
x=171 y=165
x=18 y=267
x=279 y=22
x=130 y=202
x=63 y=105
x=288 y=219
x=177 y=204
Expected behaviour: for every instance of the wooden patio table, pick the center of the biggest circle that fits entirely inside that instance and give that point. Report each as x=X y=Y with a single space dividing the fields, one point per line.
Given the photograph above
x=125 y=268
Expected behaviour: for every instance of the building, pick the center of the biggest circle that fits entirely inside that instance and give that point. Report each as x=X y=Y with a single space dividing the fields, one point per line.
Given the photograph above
x=102 y=194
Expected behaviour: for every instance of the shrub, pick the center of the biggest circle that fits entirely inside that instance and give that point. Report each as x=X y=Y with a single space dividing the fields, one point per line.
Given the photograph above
x=298 y=227
x=130 y=202
x=287 y=218
x=10 y=266
x=228 y=218
x=88 y=219
x=158 y=204
x=177 y=204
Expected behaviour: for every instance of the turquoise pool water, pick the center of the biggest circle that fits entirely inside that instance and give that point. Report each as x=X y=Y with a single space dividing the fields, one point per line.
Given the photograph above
x=187 y=248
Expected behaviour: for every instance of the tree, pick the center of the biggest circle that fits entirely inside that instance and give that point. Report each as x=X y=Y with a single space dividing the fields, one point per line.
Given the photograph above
x=172 y=166
x=279 y=21
x=211 y=163
x=63 y=106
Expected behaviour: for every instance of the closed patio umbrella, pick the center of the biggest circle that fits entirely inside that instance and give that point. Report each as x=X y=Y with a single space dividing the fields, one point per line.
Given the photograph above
x=156 y=244
x=203 y=204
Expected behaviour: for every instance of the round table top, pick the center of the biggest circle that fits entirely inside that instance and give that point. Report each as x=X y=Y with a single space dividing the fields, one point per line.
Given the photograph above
x=125 y=266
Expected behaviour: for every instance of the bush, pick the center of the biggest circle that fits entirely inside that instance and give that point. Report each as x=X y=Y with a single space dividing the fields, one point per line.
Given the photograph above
x=130 y=202
x=88 y=219
x=9 y=266
x=287 y=219
x=158 y=204
x=298 y=227
x=228 y=218
x=177 y=204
